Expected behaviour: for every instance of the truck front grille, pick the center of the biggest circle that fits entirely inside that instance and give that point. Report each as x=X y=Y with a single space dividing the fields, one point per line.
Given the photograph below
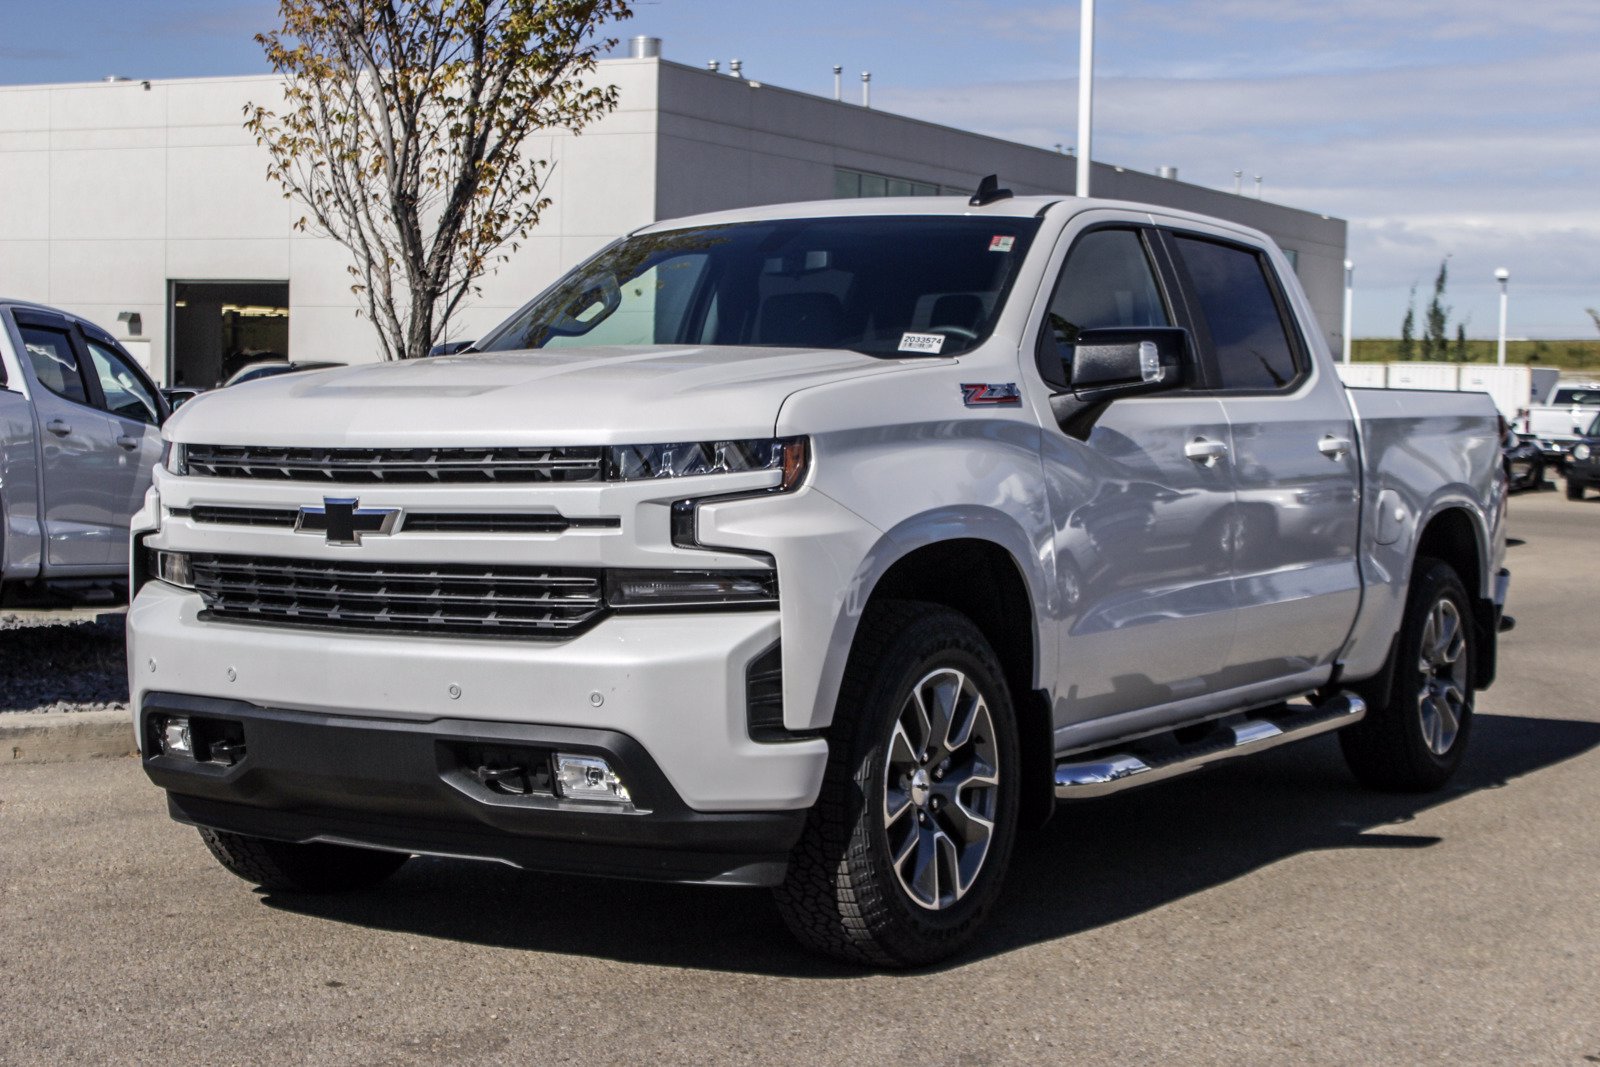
x=465 y=599
x=396 y=465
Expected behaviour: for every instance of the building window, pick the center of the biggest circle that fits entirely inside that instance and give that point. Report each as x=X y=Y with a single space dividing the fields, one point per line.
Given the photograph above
x=851 y=184
x=1293 y=255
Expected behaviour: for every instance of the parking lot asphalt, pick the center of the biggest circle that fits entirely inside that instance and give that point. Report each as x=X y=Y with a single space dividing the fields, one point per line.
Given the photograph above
x=1265 y=911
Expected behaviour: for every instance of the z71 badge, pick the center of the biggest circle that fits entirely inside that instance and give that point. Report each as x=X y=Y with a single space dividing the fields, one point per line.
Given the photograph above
x=990 y=394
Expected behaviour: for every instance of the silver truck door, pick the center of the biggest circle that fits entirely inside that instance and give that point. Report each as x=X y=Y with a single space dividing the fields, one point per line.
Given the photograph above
x=136 y=411
x=83 y=502
x=1295 y=465
x=1141 y=504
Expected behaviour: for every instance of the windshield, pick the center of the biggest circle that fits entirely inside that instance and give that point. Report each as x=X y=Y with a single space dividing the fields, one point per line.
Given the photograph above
x=885 y=286
x=1577 y=396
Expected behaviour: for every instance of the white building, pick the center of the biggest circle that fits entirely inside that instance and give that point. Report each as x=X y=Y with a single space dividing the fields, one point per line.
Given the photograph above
x=145 y=206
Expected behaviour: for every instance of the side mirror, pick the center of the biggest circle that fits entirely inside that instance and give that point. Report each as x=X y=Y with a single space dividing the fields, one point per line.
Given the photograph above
x=450 y=348
x=177 y=397
x=1102 y=365
x=1105 y=364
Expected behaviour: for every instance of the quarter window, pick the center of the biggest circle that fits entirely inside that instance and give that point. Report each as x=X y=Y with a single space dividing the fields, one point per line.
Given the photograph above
x=1235 y=294
x=54 y=362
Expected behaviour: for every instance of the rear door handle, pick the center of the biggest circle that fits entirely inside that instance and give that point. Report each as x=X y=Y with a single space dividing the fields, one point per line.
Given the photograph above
x=59 y=427
x=1334 y=447
x=128 y=443
x=1205 y=451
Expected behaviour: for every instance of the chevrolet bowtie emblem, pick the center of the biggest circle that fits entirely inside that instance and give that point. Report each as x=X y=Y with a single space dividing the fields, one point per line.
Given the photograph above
x=344 y=520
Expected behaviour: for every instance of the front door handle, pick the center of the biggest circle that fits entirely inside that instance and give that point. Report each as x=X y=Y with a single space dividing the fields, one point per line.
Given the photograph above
x=1334 y=447
x=59 y=427
x=1205 y=451
x=128 y=443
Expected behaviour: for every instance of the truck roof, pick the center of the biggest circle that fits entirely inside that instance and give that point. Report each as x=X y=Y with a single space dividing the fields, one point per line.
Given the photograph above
x=1009 y=207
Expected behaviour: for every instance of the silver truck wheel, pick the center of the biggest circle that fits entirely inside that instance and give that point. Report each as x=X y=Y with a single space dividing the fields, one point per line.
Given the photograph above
x=905 y=849
x=1416 y=729
x=940 y=787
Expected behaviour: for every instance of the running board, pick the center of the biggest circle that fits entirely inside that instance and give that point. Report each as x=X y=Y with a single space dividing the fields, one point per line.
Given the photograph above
x=1112 y=774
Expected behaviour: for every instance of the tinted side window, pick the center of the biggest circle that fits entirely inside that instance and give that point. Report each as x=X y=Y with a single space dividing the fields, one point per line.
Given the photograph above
x=1107 y=282
x=54 y=362
x=1247 y=331
x=125 y=394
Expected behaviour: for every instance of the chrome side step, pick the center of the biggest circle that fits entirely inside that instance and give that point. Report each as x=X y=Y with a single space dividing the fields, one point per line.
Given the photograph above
x=1105 y=775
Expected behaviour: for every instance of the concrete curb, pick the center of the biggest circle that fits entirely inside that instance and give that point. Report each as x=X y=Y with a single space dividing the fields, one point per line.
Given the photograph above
x=65 y=737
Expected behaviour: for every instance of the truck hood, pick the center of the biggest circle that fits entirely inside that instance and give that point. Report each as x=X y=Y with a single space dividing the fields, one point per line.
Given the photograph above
x=536 y=398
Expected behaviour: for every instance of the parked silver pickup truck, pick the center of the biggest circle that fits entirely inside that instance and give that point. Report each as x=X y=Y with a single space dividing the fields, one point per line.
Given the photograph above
x=78 y=441
x=818 y=547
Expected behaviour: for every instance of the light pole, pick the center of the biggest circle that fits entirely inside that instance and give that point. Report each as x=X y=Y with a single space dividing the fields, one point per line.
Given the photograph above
x=1085 y=91
x=1502 y=276
x=1349 y=303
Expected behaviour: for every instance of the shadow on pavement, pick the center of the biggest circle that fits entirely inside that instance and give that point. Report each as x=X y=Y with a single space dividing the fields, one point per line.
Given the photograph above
x=1097 y=862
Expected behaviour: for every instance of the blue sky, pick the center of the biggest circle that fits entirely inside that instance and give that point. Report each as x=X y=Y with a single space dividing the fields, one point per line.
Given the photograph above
x=1468 y=128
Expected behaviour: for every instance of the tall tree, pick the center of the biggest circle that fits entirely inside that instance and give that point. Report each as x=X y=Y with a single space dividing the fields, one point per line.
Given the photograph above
x=1435 y=339
x=402 y=131
x=1408 y=328
x=1595 y=315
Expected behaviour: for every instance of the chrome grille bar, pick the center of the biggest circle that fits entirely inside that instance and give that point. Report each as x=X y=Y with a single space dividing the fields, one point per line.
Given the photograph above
x=465 y=599
x=396 y=465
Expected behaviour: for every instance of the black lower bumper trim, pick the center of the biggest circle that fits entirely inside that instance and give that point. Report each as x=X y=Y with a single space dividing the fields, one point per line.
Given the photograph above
x=409 y=787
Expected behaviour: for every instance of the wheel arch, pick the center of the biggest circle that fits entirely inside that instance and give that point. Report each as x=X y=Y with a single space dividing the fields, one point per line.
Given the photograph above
x=986 y=574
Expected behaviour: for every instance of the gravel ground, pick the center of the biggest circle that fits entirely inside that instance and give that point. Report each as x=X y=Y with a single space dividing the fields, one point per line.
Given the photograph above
x=62 y=661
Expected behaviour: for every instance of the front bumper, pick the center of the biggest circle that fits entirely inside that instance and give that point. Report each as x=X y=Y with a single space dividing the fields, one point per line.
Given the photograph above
x=676 y=684
x=411 y=787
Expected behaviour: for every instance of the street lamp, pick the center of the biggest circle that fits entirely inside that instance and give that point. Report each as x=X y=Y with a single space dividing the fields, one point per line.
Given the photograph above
x=1349 y=303
x=1502 y=276
x=1085 y=94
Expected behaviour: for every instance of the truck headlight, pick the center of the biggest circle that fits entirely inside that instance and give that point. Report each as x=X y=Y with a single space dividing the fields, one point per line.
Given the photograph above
x=645 y=590
x=174 y=458
x=1580 y=451
x=633 y=463
x=171 y=567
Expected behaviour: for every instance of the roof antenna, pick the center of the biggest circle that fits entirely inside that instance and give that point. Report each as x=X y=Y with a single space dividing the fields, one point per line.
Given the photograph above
x=989 y=191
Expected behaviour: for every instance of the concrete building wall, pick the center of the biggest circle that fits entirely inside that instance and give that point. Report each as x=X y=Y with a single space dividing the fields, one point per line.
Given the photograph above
x=110 y=192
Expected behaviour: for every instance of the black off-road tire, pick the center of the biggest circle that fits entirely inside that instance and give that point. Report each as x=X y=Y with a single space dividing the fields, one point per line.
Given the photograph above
x=301 y=868
x=842 y=896
x=1574 y=489
x=1390 y=749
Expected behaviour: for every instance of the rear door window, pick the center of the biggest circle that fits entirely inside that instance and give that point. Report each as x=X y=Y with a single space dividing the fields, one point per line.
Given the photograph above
x=1238 y=301
x=126 y=395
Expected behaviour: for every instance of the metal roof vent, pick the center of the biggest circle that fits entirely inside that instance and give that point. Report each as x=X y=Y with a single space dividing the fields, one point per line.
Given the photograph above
x=643 y=47
x=1167 y=172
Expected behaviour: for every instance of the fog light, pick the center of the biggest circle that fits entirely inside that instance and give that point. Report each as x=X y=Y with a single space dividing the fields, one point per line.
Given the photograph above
x=176 y=739
x=589 y=778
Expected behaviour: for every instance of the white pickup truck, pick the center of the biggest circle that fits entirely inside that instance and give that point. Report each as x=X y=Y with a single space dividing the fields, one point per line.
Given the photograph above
x=819 y=547
x=1557 y=426
x=79 y=438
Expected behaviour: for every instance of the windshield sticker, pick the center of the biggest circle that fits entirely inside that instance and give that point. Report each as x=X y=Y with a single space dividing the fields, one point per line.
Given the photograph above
x=922 y=342
x=1001 y=243
x=990 y=394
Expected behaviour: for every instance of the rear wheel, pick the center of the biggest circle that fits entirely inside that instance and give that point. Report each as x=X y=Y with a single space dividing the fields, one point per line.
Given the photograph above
x=906 y=847
x=301 y=868
x=1413 y=736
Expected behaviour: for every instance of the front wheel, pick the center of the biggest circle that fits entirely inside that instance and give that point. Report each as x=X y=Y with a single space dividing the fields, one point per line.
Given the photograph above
x=1413 y=736
x=1574 y=489
x=906 y=847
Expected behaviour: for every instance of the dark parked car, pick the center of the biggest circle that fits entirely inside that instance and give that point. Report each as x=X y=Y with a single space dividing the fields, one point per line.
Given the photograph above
x=1523 y=460
x=1583 y=462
